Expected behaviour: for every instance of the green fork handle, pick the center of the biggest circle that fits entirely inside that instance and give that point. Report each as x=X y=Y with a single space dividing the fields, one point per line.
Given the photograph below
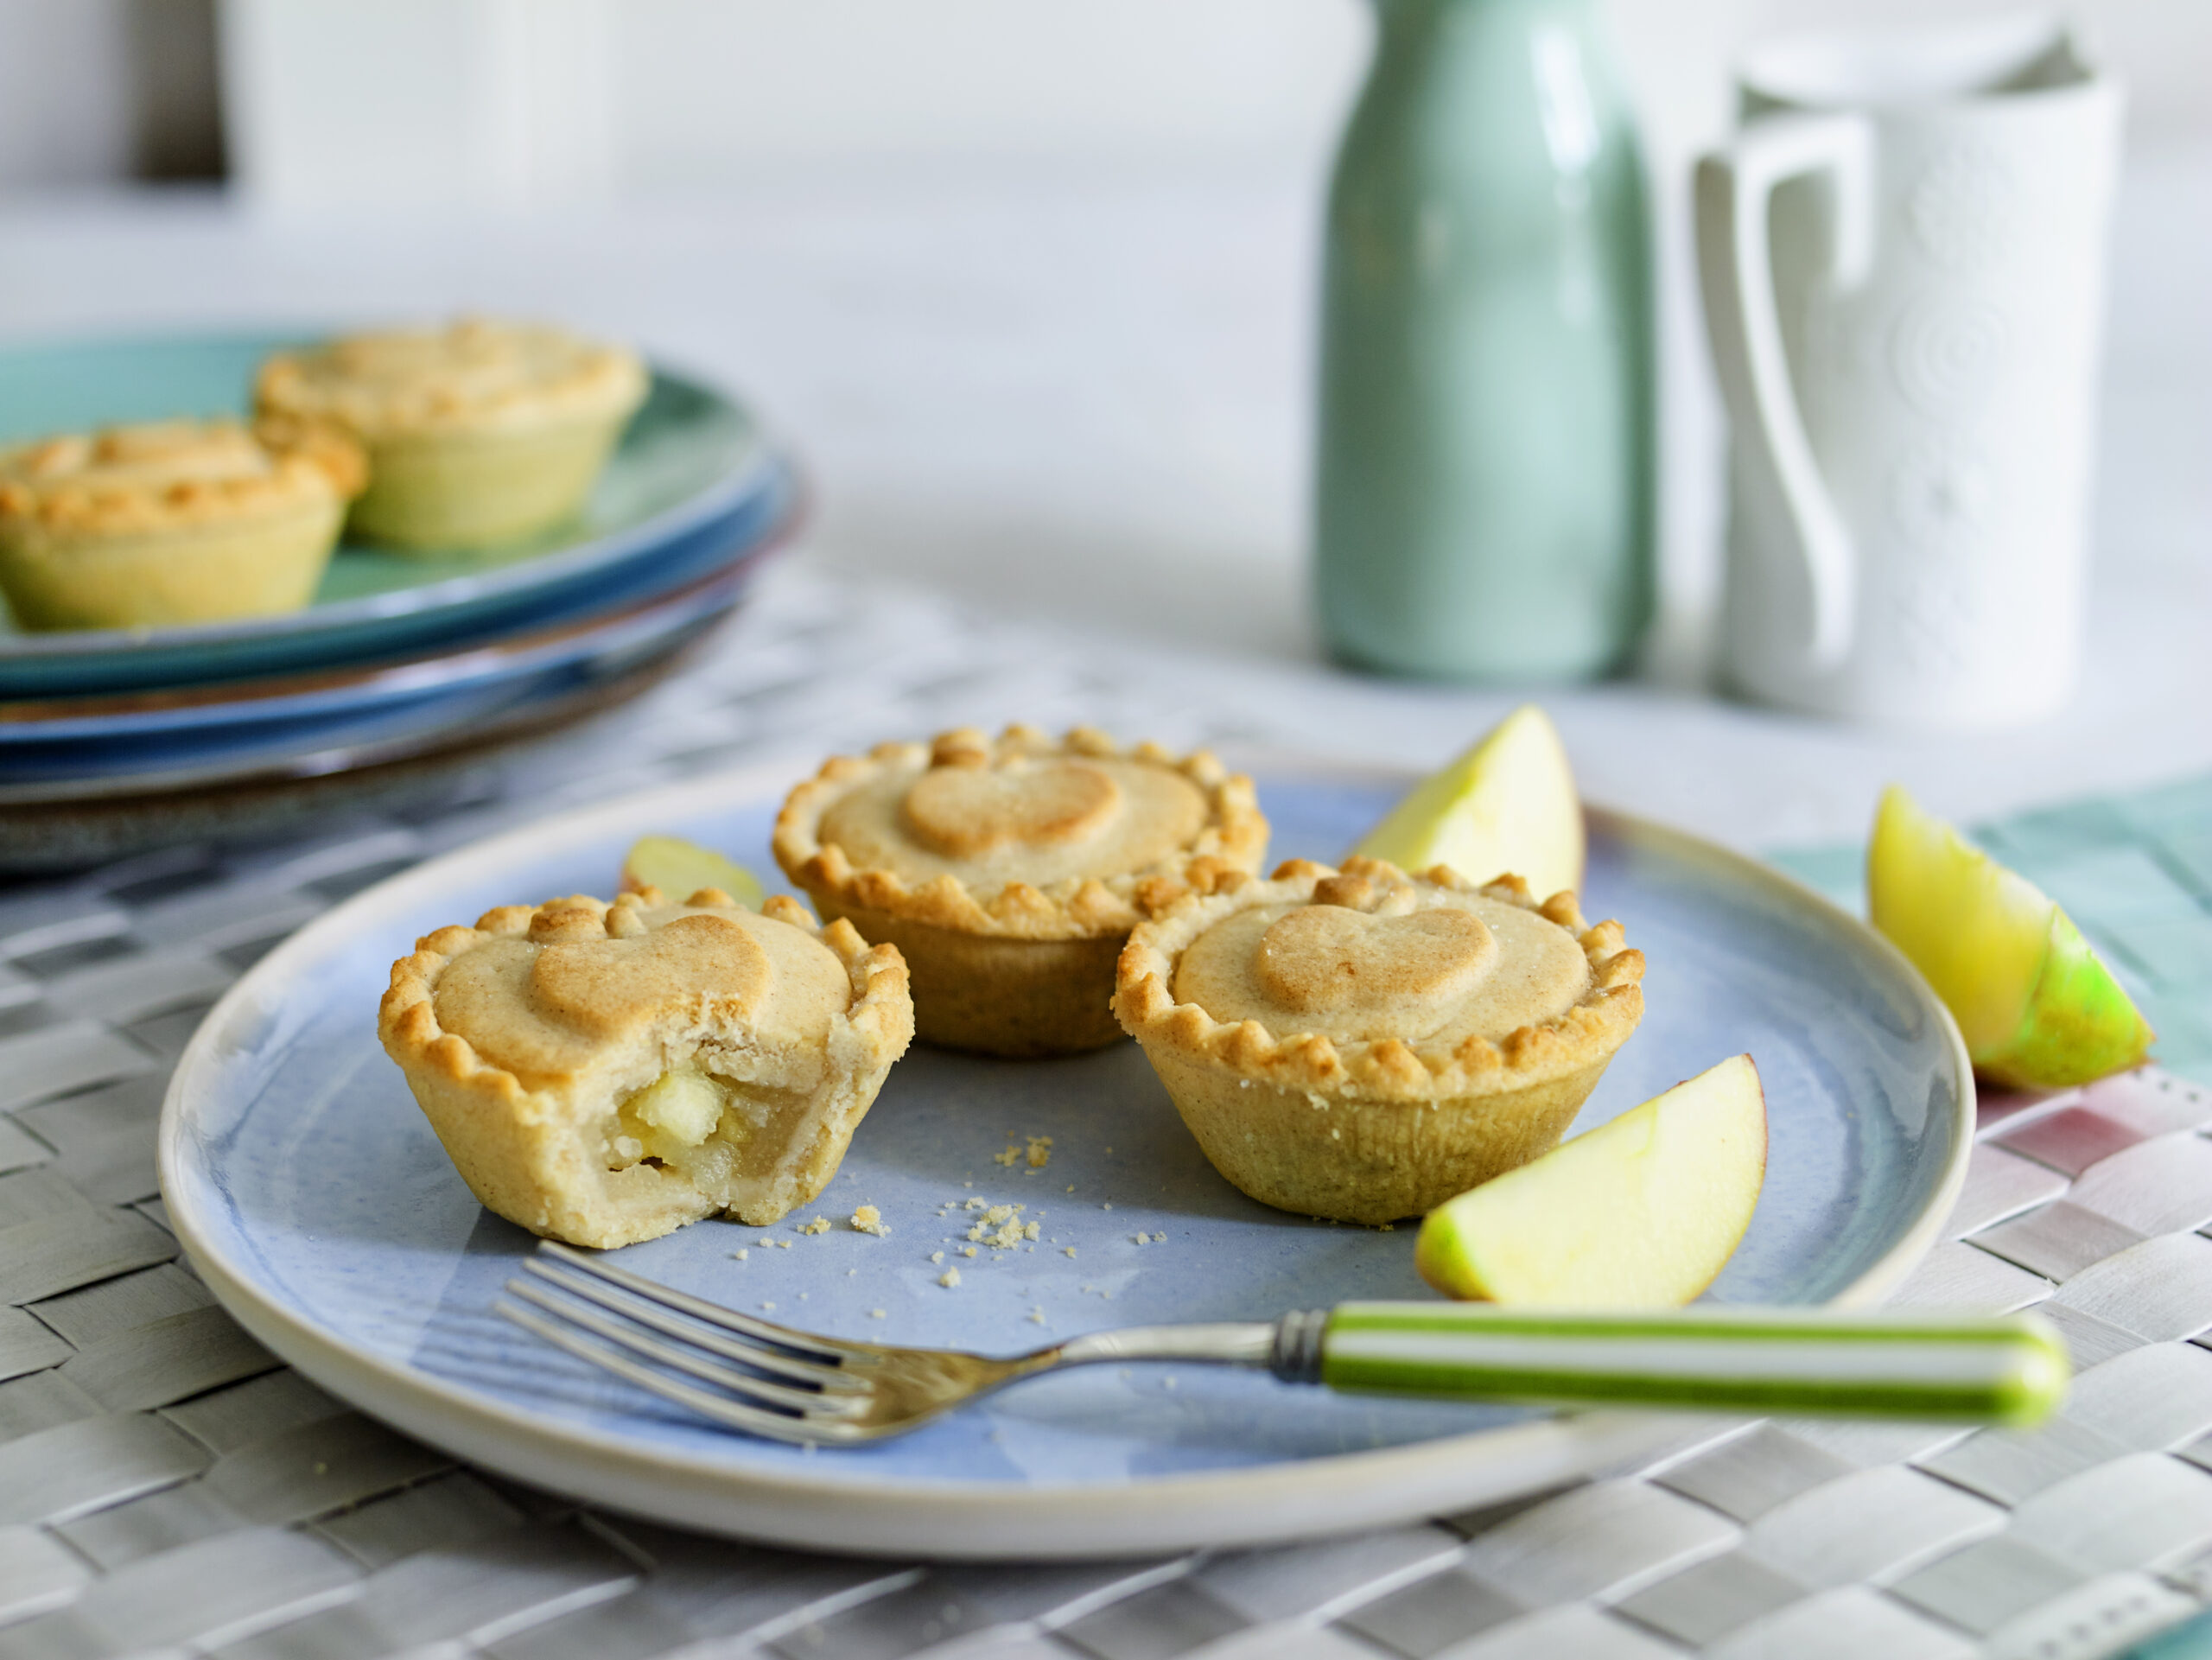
x=1880 y=1363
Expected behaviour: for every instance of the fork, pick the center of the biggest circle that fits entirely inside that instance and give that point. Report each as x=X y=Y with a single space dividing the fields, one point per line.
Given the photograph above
x=790 y=1386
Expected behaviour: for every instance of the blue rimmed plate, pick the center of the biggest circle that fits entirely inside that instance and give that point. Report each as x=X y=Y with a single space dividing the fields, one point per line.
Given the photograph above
x=315 y=1202
x=143 y=743
x=694 y=479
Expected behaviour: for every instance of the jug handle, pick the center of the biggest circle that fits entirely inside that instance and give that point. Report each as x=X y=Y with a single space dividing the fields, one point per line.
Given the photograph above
x=1734 y=186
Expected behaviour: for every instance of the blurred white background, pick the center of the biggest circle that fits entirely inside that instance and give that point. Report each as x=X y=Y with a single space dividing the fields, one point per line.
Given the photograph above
x=1030 y=282
x=521 y=100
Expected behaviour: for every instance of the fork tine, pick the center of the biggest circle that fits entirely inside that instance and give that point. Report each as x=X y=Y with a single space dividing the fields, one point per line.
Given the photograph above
x=647 y=1313
x=753 y=1420
x=806 y=1403
x=699 y=1308
x=731 y=1349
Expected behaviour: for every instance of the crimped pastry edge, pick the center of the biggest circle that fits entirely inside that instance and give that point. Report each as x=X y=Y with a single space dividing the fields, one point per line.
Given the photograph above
x=312 y=462
x=1226 y=853
x=407 y=1020
x=1386 y=1068
x=603 y=379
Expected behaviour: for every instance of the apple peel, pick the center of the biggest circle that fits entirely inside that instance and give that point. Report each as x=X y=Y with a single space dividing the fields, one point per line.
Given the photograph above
x=2038 y=1009
x=1642 y=1213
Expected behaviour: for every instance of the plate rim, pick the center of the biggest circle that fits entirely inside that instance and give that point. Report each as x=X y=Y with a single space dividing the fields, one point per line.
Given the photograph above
x=763 y=461
x=952 y=1519
x=291 y=695
x=660 y=643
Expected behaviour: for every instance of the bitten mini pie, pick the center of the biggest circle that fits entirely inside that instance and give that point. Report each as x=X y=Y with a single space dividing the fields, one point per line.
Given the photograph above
x=1362 y=1044
x=606 y=1073
x=171 y=522
x=1009 y=872
x=478 y=434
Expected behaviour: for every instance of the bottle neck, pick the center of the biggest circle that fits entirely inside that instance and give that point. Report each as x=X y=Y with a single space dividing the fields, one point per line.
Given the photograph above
x=1416 y=17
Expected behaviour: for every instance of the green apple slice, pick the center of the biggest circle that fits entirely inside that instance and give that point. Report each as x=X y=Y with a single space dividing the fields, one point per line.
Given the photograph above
x=680 y=869
x=2038 y=1010
x=1507 y=806
x=1639 y=1214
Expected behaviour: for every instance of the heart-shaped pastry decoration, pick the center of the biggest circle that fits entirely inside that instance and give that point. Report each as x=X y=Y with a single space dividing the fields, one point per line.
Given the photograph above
x=1326 y=960
x=967 y=812
x=605 y=988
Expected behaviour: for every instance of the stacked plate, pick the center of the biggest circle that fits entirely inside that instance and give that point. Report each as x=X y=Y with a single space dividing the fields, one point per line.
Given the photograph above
x=110 y=738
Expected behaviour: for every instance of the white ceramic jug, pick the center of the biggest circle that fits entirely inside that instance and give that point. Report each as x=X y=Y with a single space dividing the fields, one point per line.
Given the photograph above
x=1903 y=256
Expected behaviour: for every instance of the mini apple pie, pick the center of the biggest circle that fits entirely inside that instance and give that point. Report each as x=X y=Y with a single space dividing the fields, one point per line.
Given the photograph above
x=171 y=522
x=1362 y=1044
x=478 y=434
x=1009 y=872
x=606 y=1073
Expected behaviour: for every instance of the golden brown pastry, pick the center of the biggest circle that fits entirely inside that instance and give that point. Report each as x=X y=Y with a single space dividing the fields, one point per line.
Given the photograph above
x=1009 y=872
x=605 y=1073
x=478 y=434
x=1362 y=1044
x=171 y=522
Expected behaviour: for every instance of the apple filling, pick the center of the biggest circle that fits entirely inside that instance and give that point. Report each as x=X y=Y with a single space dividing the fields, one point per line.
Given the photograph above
x=703 y=1126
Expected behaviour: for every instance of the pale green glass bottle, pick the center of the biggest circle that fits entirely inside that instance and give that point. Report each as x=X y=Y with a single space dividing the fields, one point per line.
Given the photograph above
x=1484 y=476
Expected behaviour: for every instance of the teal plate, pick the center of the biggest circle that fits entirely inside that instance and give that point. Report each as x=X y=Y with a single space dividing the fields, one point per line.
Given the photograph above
x=315 y=1202
x=693 y=478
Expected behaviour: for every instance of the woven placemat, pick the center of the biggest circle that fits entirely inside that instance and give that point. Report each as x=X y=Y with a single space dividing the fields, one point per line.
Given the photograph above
x=166 y=1487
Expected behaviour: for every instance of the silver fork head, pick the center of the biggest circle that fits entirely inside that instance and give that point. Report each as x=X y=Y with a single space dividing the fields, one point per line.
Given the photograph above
x=764 y=1378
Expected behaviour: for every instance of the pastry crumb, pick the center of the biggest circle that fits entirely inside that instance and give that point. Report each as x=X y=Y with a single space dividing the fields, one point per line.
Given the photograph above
x=1029 y=1230
x=950 y=1278
x=868 y=1220
x=968 y=1251
x=741 y=1254
x=1160 y=1239
x=770 y=1306
x=1067 y=1250
x=1036 y=1316
x=1108 y=1206
x=875 y=1313
x=1008 y=1157
x=1041 y=1151
x=820 y=1224
x=937 y=1256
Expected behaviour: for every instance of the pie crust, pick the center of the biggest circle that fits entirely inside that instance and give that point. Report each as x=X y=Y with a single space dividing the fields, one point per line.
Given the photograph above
x=1009 y=871
x=1370 y=1051
x=604 y=1073
x=478 y=433
x=171 y=522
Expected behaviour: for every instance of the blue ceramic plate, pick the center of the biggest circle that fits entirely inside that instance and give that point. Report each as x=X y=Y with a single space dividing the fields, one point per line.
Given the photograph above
x=136 y=744
x=693 y=481
x=314 y=1200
